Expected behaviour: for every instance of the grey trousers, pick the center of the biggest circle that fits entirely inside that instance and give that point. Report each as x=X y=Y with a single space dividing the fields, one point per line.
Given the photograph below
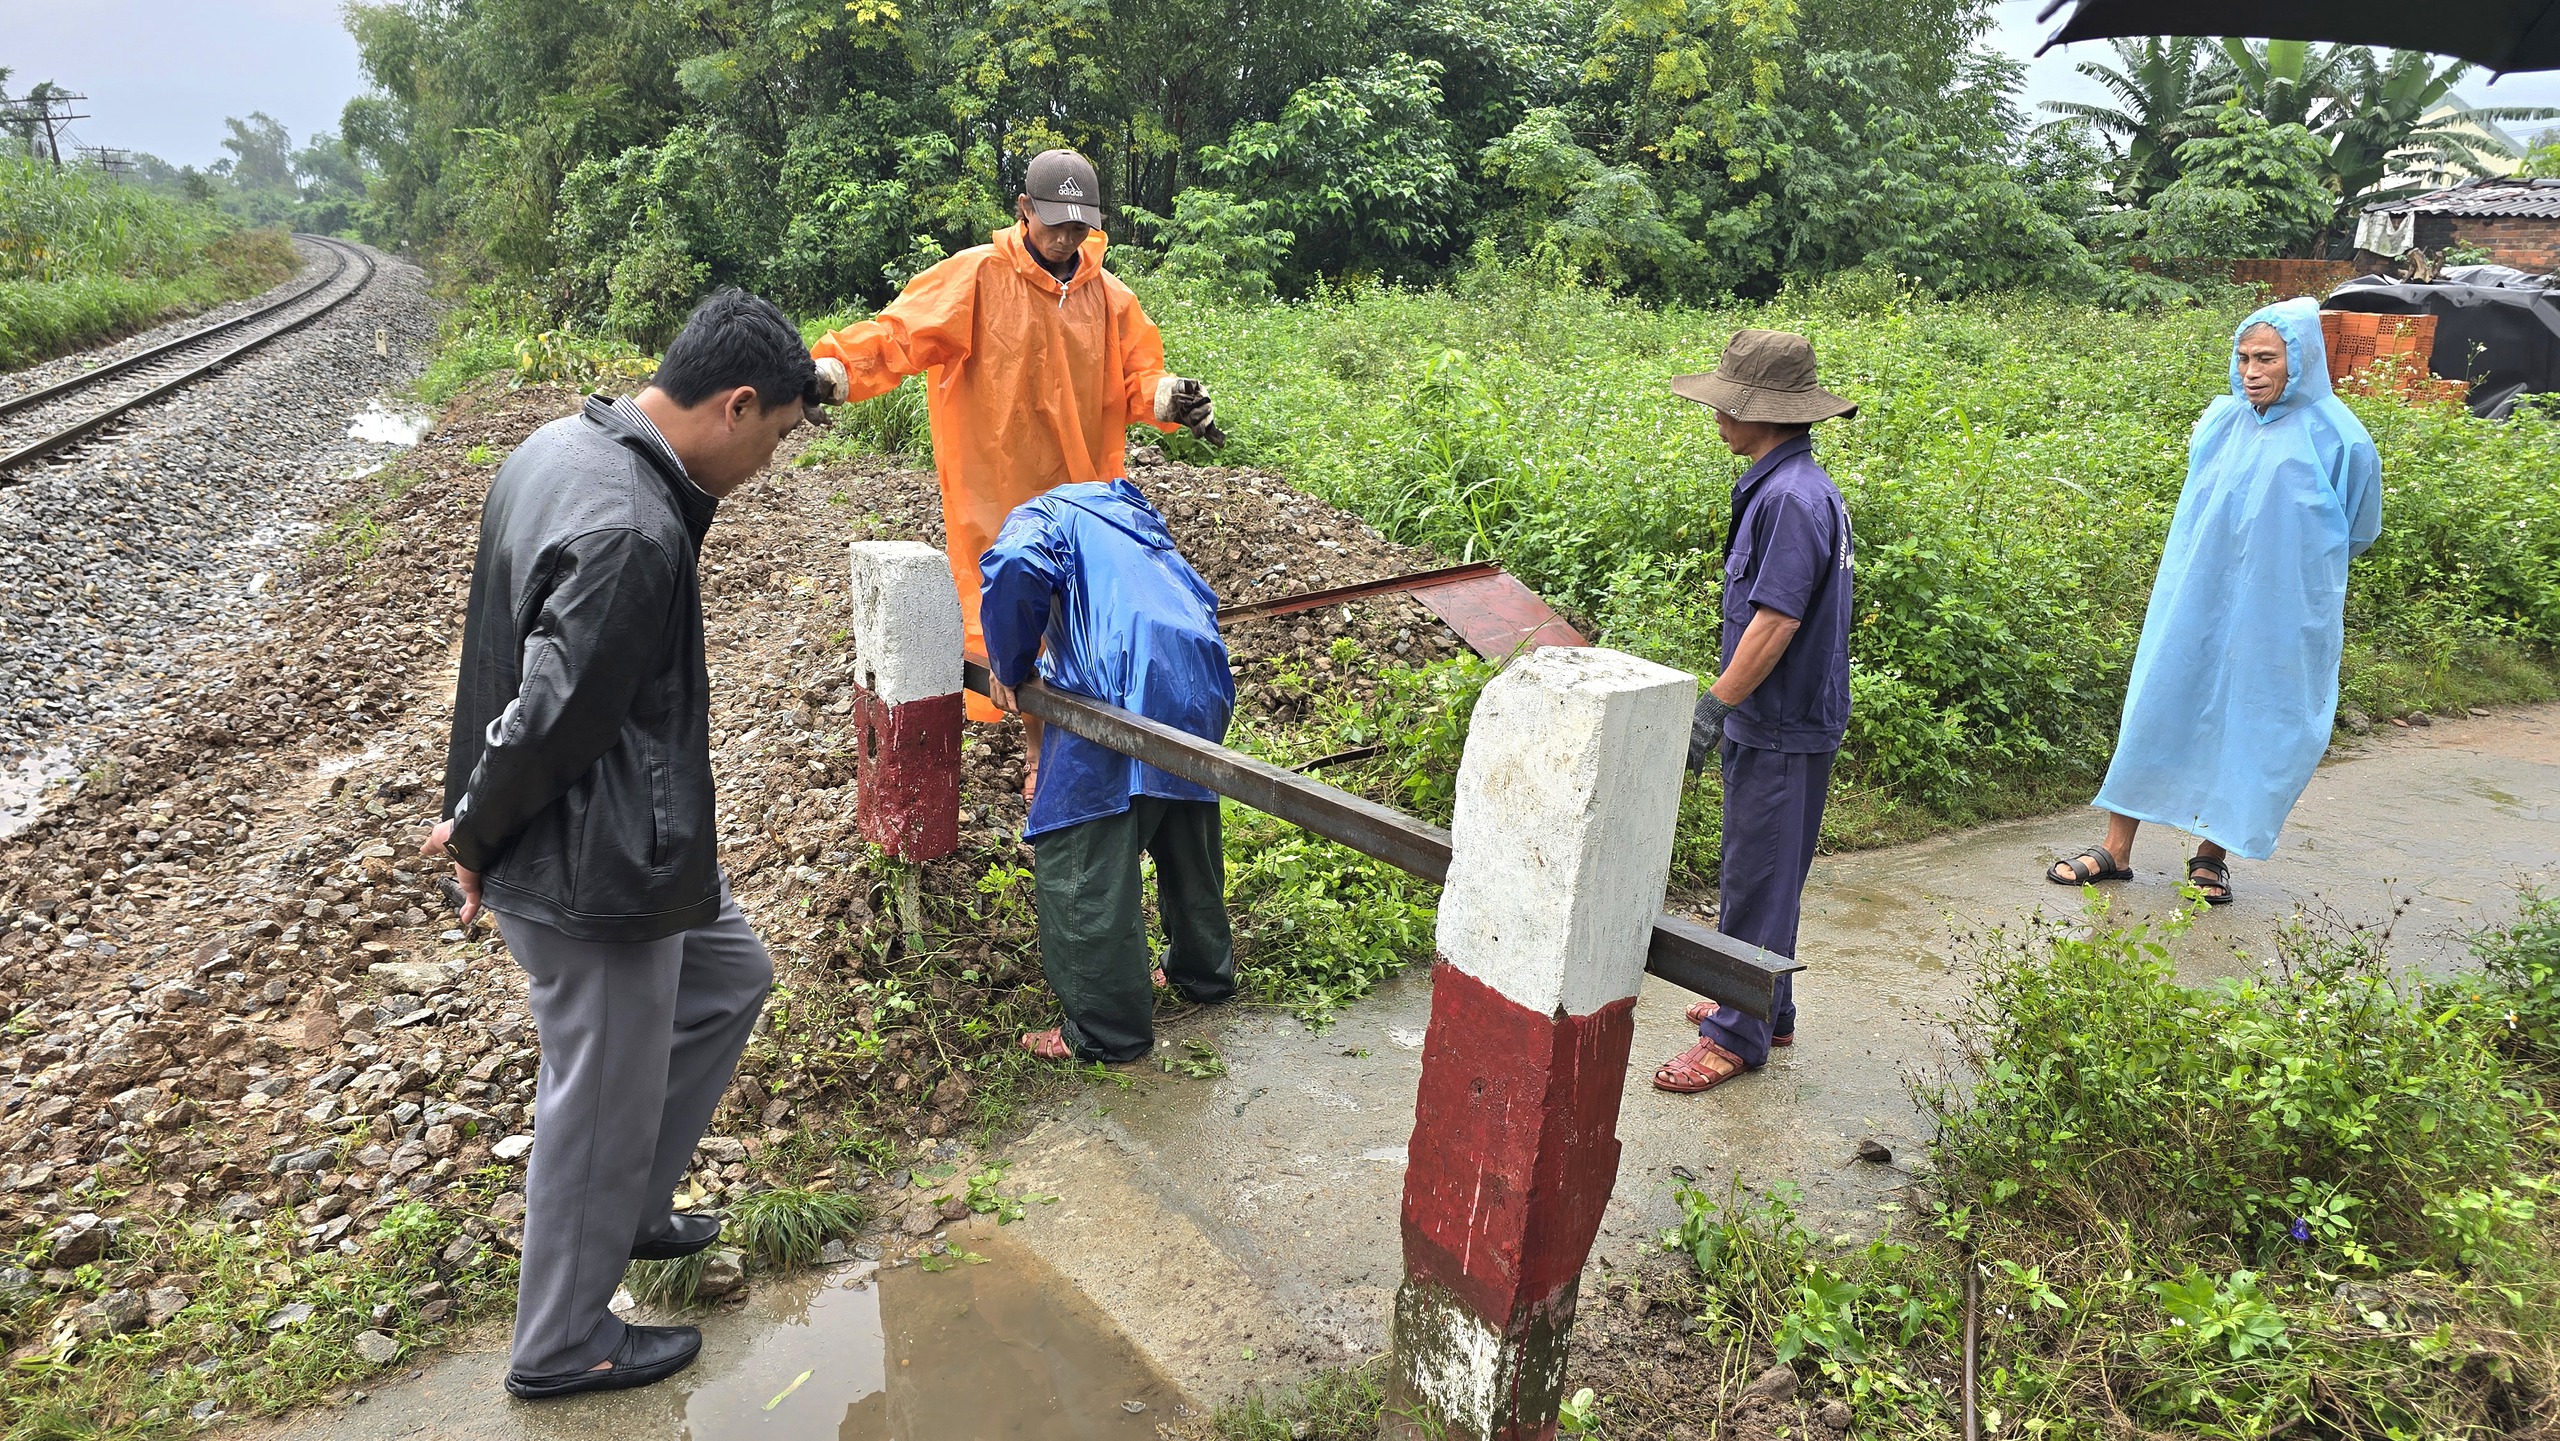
x=638 y=1042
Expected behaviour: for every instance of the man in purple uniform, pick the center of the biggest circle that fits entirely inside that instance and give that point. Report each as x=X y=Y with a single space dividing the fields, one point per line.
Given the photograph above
x=1775 y=715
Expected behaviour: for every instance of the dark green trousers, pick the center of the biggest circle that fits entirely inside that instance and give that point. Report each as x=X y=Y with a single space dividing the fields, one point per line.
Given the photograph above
x=1093 y=924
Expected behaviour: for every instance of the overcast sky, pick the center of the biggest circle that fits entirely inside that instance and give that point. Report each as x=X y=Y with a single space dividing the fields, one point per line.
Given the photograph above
x=161 y=74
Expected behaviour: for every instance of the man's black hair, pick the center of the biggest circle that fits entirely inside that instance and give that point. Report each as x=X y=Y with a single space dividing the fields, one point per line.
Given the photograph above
x=735 y=339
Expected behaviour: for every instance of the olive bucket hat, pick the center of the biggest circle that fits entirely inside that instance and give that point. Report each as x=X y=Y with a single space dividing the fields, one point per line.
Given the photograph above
x=1765 y=375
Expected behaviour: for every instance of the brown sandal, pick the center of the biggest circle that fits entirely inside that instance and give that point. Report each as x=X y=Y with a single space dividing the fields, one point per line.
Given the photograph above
x=1698 y=1012
x=1048 y=1045
x=1702 y=1067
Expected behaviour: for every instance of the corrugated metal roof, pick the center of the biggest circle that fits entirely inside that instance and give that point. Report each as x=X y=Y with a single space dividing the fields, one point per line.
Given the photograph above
x=2528 y=199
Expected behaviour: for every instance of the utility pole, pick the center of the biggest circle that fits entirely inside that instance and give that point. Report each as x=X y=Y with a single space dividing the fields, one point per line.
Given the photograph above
x=116 y=163
x=37 y=108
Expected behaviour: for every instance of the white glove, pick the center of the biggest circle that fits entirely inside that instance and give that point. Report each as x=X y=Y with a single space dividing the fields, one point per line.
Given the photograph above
x=1186 y=403
x=833 y=382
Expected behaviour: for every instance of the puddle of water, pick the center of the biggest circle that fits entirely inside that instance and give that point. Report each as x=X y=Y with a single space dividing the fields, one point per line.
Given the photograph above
x=1003 y=1349
x=383 y=425
x=1000 y=1349
x=23 y=786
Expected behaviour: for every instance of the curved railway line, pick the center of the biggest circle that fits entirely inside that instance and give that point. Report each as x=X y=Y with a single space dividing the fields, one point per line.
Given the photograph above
x=52 y=419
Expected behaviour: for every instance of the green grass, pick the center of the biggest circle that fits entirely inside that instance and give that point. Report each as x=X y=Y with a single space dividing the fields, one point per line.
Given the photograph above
x=231 y=1348
x=83 y=259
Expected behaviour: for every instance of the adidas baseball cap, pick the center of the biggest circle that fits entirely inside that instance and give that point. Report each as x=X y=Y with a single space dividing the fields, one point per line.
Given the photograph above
x=1063 y=189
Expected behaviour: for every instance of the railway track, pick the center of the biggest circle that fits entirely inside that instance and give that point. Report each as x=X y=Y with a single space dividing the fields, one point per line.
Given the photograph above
x=55 y=418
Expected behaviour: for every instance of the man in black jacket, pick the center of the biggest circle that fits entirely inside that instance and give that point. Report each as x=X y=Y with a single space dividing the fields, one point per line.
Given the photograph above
x=578 y=792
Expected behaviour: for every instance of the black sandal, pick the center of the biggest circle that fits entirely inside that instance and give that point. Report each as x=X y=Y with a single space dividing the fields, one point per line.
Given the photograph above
x=2066 y=872
x=2212 y=876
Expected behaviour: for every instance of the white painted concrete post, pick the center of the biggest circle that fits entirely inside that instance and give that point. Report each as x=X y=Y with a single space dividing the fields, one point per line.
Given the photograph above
x=1567 y=796
x=907 y=657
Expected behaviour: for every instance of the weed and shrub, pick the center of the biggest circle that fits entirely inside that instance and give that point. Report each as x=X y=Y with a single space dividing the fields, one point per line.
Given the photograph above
x=2314 y=1201
x=83 y=259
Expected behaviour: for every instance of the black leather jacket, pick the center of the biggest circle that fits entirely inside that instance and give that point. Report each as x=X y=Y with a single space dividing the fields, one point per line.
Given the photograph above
x=579 y=778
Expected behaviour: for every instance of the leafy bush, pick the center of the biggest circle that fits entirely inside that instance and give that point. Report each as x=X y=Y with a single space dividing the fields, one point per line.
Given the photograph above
x=2522 y=960
x=2332 y=1107
x=1317 y=924
x=2311 y=1202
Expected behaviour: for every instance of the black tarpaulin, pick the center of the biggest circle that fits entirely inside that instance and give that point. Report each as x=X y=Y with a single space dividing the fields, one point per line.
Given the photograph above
x=2495 y=327
x=2502 y=35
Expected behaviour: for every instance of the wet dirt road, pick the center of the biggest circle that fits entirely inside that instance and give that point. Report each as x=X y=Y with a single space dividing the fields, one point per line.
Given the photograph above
x=1214 y=1234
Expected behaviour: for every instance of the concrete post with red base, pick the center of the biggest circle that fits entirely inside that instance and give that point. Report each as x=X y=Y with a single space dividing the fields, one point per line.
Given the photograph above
x=906 y=699
x=1567 y=795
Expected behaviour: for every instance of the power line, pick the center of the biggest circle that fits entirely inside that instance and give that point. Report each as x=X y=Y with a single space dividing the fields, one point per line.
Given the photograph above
x=37 y=109
x=109 y=159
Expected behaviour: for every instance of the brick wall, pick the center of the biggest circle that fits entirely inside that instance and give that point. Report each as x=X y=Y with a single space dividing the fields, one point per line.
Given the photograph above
x=2527 y=244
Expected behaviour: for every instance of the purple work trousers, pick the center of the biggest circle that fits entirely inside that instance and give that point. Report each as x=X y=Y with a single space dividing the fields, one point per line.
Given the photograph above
x=1772 y=817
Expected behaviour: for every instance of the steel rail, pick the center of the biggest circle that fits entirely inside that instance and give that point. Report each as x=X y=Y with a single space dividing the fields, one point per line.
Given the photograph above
x=96 y=421
x=1684 y=953
x=112 y=369
x=1392 y=585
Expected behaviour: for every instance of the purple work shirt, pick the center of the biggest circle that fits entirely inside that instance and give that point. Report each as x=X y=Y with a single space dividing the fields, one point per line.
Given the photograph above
x=1792 y=552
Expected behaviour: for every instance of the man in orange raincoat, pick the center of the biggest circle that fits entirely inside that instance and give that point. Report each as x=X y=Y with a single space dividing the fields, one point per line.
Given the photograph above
x=1039 y=360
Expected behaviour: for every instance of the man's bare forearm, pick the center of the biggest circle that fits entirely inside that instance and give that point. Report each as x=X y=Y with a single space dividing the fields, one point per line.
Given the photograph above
x=1763 y=642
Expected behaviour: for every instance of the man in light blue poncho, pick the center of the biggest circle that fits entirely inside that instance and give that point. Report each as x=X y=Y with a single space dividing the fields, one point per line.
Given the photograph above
x=2235 y=682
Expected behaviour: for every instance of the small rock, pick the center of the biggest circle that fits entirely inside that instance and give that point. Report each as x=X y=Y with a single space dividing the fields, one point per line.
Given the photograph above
x=443 y=1140
x=239 y=1206
x=723 y=1150
x=176 y=1117
x=376 y=1348
x=1875 y=1152
x=512 y=1149
x=293 y=1315
x=921 y=1218
x=422 y=977
x=1133 y=1407
x=2354 y=722
x=123 y=1311
x=163 y=1302
x=725 y=1272
x=2421 y=719
x=1778 y=1384
x=955 y=1208
x=2476 y=710
x=833 y=1253
x=1835 y=1414
x=79 y=1240
x=434 y=1311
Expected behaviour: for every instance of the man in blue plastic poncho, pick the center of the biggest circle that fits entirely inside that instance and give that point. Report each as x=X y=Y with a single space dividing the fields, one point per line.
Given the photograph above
x=1090 y=569
x=2235 y=682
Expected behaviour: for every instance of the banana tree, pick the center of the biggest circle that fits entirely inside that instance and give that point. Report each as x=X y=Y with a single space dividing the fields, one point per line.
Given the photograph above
x=2166 y=95
x=2389 y=117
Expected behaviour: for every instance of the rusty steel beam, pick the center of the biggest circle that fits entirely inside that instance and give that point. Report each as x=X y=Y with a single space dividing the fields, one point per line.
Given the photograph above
x=1364 y=825
x=1318 y=599
x=1684 y=953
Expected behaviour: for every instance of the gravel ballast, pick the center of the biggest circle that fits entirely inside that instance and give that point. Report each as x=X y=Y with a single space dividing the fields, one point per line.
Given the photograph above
x=125 y=564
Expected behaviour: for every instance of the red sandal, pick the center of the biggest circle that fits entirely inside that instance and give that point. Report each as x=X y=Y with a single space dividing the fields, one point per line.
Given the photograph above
x=1699 y=1012
x=1702 y=1067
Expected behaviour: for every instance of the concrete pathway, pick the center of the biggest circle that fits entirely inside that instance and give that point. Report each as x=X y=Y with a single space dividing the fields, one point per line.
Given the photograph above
x=1214 y=1234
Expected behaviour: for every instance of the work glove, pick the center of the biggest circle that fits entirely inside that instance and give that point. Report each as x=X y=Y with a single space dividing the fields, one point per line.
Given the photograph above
x=833 y=383
x=1186 y=403
x=1706 y=728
